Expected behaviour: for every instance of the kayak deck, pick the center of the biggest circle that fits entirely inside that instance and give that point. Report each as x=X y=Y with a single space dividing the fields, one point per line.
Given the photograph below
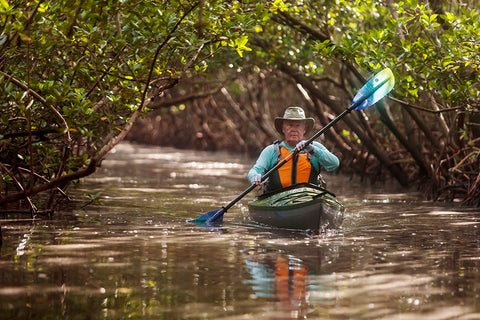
x=301 y=206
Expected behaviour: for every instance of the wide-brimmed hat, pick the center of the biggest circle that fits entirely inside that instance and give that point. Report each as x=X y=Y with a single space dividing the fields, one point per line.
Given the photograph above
x=294 y=113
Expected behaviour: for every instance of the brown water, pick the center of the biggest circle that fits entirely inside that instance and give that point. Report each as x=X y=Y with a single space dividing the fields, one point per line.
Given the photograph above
x=133 y=255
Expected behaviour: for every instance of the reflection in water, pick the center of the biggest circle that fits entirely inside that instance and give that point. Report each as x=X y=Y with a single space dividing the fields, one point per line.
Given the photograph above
x=284 y=280
x=133 y=255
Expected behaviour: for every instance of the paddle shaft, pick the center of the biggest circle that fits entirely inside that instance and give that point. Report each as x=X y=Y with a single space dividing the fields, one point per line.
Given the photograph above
x=319 y=133
x=296 y=151
x=289 y=157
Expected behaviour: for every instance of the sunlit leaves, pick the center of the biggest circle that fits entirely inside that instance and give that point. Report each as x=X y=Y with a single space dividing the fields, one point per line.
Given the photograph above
x=240 y=45
x=429 y=21
x=416 y=44
x=278 y=5
x=435 y=53
x=4 y=5
x=90 y=61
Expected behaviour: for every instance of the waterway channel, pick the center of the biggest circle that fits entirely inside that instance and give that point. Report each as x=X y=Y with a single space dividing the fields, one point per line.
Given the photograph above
x=133 y=255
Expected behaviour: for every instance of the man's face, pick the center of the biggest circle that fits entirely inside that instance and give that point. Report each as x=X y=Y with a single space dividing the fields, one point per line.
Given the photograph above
x=294 y=130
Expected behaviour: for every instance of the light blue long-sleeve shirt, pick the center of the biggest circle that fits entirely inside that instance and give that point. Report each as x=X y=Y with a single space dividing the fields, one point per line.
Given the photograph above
x=321 y=158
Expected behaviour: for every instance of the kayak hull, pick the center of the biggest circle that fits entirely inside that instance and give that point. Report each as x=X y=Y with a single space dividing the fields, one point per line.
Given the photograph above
x=302 y=206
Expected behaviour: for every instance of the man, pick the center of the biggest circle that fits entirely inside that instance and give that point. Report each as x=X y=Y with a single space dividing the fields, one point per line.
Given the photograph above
x=305 y=166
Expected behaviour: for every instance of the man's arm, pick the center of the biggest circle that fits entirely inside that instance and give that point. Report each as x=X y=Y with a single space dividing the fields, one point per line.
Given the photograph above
x=265 y=162
x=324 y=157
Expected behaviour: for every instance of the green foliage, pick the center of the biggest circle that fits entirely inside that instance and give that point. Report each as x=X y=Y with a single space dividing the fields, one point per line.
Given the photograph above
x=94 y=197
x=431 y=46
x=429 y=52
x=89 y=62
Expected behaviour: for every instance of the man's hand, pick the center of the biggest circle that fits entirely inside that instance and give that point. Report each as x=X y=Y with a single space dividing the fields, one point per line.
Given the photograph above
x=257 y=179
x=307 y=149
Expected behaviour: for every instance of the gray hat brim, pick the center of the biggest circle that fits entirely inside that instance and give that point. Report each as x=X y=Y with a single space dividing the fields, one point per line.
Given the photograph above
x=309 y=123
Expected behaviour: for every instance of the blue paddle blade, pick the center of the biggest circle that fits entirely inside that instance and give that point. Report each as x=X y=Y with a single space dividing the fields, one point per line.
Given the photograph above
x=375 y=89
x=211 y=216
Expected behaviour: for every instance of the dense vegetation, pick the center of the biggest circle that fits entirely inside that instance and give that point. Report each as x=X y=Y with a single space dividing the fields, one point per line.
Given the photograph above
x=75 y=76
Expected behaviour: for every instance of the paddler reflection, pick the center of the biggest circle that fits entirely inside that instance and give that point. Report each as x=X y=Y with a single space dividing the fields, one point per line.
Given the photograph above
x=290 y=281
x=283 y=278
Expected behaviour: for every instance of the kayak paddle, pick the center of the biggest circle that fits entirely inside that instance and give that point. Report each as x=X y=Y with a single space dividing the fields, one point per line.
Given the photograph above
x=375 y=89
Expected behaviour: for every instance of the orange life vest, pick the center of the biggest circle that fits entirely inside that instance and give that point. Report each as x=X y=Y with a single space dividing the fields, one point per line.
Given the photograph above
x=297 y=170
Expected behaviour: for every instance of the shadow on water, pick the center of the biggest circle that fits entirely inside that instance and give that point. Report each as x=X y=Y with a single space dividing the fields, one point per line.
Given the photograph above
x=134 y=255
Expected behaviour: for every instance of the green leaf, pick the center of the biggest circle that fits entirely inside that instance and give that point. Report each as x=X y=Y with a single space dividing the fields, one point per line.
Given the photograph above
x=4 y=4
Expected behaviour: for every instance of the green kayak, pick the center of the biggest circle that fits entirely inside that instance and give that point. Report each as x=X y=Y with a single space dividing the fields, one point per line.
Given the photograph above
x=301 y=206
